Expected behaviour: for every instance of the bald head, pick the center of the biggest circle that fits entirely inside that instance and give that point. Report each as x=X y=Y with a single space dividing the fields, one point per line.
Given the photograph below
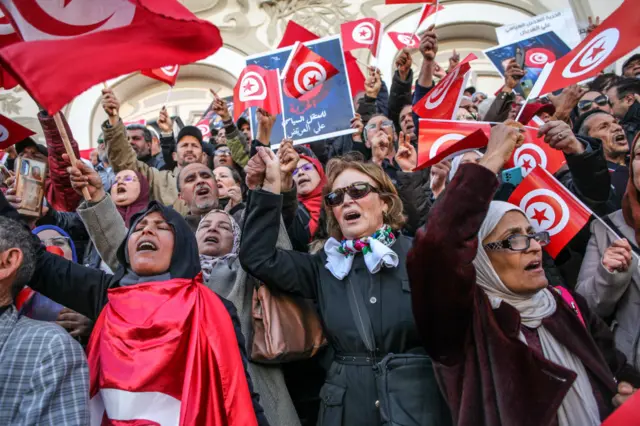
x=198 y=188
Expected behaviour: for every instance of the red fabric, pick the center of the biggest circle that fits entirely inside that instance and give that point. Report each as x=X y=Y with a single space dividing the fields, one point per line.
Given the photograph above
x=616 y=36
x=204 y=127
x=538 y=57
x=139 y=204
x=257 y=87
x=57 y=187
x=8 y=36
x=439 y=141
x=175 y=339
x=59 y=60
x=533 y=109
x=12 y=132
x=168 y=74
x=427 y=11
x=294 y=32
x=86 y=153
x=536 y=152
x=364 y=33
x=442 y=101
x=402 y=40
x=550 y=207
x=627 y=414
x=568 y=297
x=306 y=71
x=403 y=1
x=23 y=297
x=313 y=200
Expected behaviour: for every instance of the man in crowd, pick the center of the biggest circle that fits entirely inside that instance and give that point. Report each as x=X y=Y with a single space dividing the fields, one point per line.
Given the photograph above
x=44 y=372
x=156 y=148
x=631 y=67
x=601 y=125
x=245 y=127
x=141 y=141
x=198 y=190
x=625 y=106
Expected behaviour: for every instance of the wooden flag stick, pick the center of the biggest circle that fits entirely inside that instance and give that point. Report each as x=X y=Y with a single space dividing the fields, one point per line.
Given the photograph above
x=67 y=146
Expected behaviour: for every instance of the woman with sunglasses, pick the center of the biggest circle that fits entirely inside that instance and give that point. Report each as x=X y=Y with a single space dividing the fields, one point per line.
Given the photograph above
x=359 y=274
x=507 y=348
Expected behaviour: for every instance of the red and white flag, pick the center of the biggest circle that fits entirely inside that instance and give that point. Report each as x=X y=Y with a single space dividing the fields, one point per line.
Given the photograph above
x=305 y=70
x=168 y=74
x=205 y=129
x=71 y=45
x=361 y=34
x=536 y=152
x=550 y=207
x=170 y=358
x=12 y=132
x=402 y=40
x=8 y=35
x=442 y=101
x=538 y=57
x=441 y=140
x=140 y=121
x=427 y=11
x=257 y=87
x=616 y=36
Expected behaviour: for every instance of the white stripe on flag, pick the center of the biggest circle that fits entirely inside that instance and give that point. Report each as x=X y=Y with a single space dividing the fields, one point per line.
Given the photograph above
x=126 y=406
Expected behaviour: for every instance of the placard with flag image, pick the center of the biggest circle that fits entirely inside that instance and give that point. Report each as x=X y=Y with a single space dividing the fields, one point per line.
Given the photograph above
x=325 y=111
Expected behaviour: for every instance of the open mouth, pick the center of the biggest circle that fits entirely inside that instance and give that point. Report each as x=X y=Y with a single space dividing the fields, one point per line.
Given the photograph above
x=121 y=190
x=144 y=246
x=304 y=180
x=212 y=239
x=620 y=137
x=202 y=190
x=223 y=160
x=351 y=216
x=536 y=265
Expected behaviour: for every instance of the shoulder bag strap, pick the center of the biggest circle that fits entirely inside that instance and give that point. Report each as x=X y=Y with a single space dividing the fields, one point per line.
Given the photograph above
x=617 y=231
x=361 y=317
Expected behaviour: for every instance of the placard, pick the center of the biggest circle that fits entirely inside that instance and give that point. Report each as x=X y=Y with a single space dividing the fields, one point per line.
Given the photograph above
x=562 y=22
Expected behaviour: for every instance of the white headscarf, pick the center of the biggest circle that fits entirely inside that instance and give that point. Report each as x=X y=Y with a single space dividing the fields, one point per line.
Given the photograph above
x=208 y=263
x=457 y=161
x=579 y=406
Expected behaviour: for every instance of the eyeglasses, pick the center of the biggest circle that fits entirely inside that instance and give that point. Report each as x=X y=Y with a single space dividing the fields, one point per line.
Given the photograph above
x=519 y=242
x=56 y=241
x=304 y=168
x=601 y=100
x=355 y=190
x=222 y=151
x=126 y=179
x=386 y=124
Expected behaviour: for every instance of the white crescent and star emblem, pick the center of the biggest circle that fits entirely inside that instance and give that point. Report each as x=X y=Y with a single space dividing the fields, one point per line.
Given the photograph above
x=308 y=76
x=406 y=40
x=4 y=133
x=593 y=54
x=364 y=33
x=252 y=87
x=538 y=58
x=528 y=156
x=449 y=137
x=546 y=210
x=439 y=93
x=170 y=70
x=204 y=129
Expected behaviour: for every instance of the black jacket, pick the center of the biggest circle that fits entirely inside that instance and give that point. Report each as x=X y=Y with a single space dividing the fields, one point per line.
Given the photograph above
x=631 y=123
x=399 y=96
x=85 y=289
x=499 y=109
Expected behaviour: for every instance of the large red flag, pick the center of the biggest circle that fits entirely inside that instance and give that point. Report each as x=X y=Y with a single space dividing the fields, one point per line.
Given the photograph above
x=257 y=87
x=627 y=414
x=441 y=140
x=616 y=36
x=536 y=152
x=170 y=358
x=12 y=132
x=305 y=70
x=402 y=40
x=427 y=11
x=364 y=33
x=550 y=207
x=72 y=45
x=168 y=74
x=442 y=101
x=8 y=35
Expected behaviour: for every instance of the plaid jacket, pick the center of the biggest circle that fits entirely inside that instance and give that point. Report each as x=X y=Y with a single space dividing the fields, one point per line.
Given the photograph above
x=44 y=376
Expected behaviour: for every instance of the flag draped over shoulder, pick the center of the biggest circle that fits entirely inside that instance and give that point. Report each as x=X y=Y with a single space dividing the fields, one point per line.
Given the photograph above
x=166 y=353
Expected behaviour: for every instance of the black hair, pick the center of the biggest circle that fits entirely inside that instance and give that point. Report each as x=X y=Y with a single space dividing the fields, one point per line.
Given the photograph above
x=604 y=82
x=470 y=89
x=146 y=133
x=14 y=235
x=627 y=86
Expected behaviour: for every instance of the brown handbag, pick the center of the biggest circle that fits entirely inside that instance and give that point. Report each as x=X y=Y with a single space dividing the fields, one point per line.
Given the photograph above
x=285 y=327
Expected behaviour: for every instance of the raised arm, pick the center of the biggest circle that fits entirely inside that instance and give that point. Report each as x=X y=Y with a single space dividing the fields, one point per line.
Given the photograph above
x=440 y=267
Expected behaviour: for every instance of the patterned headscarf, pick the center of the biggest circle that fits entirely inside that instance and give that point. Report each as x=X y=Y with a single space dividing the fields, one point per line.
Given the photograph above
x=209 y=262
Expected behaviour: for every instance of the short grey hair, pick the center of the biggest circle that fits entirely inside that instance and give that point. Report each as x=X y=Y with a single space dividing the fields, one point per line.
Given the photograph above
x=584 y=129
x=14 y=235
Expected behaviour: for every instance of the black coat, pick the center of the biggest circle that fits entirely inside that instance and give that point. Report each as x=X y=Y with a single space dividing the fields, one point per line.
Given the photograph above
x=349 y=395
x=85 y=289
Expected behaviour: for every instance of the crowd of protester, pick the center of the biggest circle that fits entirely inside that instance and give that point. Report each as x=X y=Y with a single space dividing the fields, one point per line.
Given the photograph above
x=437 y=303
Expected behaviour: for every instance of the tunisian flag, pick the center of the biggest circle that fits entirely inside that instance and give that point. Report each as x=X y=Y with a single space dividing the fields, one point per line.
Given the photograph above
x=402 y=40
x=550 y=207
x=8 y=35
x=616 y=36
x=205 y=129
x=442 y=101
x=364 y=33
x=171 y=358
x=12 y=132
x=257 y=87
x=168 y=74
x=536 y=152
x=305 y=70
x=427 y=11
x=441 y=140
x=71 y=45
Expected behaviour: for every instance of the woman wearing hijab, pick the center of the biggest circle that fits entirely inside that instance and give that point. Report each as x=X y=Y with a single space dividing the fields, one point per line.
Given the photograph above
x=609 y=278
x=218 y=237
x=507 y=348
x=360 y=273
x=161 y=271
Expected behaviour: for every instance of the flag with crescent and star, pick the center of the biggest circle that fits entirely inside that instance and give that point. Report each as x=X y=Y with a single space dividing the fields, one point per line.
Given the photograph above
x=305 y=70
x=257 y=87
x=69 y=46
x=12 y=132
x=440 y=140
x=429 y=10
x=616 y=36
x=8 y=35
x=536 y=152
x=364 y=33
x=168 y=74
x=550 y=207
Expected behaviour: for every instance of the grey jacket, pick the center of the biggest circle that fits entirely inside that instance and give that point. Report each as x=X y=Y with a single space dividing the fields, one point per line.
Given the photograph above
x=613 y=294
x=44 y=377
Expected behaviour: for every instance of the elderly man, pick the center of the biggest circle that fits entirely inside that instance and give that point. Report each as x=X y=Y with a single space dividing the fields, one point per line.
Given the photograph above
x=44 y=377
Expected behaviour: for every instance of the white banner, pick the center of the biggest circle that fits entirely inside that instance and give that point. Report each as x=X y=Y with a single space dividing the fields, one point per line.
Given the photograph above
x=562 y=22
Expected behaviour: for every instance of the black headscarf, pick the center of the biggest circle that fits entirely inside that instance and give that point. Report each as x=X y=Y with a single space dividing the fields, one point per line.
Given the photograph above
x=185 y=261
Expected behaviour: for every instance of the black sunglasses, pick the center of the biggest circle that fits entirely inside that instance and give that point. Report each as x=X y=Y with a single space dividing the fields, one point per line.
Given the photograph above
x=601 y=100
x=519 y=242
x=355 y=190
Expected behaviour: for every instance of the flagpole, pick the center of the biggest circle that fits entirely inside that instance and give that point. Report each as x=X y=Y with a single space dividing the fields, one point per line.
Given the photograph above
x=168 y=95
x=284 y=124
x=68 y=148
x=435 y=15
